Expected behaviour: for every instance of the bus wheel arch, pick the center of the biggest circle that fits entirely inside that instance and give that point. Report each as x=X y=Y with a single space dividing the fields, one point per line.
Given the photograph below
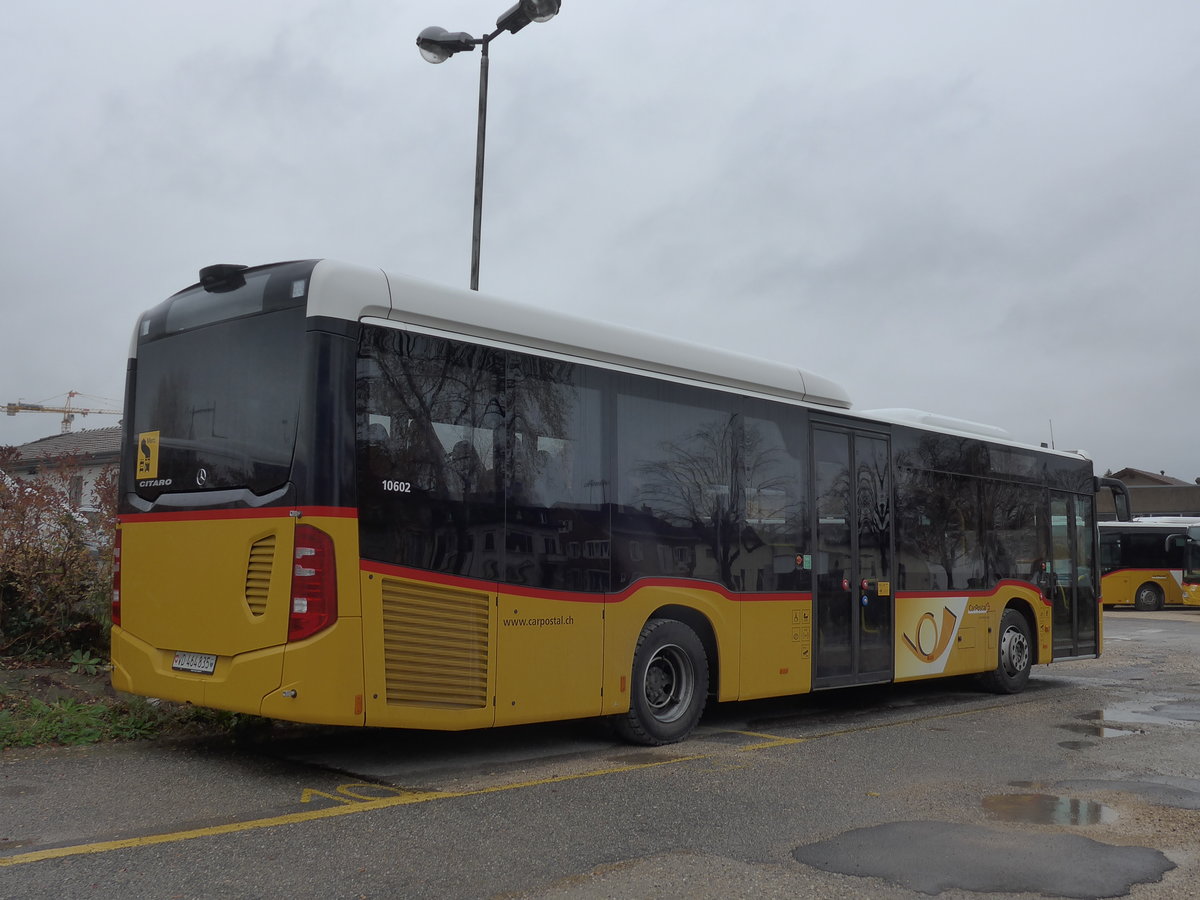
x=1148 y=597
x=669 y=684
x=1016 y=652
x=703 y=628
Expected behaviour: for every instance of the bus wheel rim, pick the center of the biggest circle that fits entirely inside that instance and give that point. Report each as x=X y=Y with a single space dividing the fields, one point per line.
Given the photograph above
x=669 y=683
x=1014 y=650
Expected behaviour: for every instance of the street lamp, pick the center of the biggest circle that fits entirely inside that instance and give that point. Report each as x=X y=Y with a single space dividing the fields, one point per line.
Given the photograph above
x=437 y=45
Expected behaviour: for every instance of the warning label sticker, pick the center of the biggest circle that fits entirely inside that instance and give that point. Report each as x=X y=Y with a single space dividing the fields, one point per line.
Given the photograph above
x=147 y=455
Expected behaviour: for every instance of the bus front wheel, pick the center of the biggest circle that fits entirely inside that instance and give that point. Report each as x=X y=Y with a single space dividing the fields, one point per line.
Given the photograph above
x=669 y=685
x=1148 y=597
x=1016 y=655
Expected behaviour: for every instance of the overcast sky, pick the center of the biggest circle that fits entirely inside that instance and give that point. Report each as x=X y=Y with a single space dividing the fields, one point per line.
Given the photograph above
x=989 y=210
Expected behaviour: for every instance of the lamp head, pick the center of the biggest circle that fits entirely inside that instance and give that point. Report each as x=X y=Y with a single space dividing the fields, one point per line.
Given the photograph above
x=438 y=45
x=541 y=10
x=527 y=11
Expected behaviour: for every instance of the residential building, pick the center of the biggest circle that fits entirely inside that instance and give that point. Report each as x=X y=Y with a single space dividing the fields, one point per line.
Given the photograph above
x=91 y=451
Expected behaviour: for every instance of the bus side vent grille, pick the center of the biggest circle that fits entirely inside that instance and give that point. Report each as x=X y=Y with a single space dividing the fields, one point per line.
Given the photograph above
x=258 y=574
x=435 y=646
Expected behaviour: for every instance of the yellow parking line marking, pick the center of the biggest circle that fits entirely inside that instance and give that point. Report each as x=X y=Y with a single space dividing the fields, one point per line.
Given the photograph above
x=769 y=740
x=310 y=815
x=172 y=837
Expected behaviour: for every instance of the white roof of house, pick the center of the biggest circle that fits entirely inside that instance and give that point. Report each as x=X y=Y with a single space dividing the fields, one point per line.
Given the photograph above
x=99 y=444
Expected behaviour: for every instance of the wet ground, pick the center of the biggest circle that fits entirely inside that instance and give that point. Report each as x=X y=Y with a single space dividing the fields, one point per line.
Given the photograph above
x=1087 y=785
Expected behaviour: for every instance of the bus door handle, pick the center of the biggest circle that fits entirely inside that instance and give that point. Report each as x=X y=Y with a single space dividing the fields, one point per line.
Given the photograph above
x=1045 y=583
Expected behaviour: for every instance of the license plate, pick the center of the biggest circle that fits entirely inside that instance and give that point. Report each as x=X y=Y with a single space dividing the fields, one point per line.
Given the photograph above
x=204 y=663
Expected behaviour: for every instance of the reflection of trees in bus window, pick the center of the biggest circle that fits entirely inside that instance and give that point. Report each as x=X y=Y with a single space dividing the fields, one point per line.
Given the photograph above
x=719 y=493
x=777 y=520
x=1015 y=548
x=873 y=484
x=1087 y=597
x=554 y=477
x=555 y=434
x=687 y=480
x=440 y=406
x=960 y=531
x=937 y=533
x=458 y=442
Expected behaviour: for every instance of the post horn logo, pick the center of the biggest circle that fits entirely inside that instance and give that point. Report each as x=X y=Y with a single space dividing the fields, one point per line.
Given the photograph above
x=931 y=642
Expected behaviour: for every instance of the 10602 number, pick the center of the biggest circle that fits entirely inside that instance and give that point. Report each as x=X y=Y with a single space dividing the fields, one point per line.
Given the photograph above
x=397 y=487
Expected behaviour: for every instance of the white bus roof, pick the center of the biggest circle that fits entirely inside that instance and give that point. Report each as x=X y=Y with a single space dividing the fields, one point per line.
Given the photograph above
x=354 y=292
x=1160 y=521
x=1151 y=524
x=361 y=293
x=358 y=292
x=943 y=423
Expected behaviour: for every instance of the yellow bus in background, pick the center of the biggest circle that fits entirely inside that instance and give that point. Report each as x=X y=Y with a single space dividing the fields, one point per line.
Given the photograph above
x=1142 y=563
x=353 y=498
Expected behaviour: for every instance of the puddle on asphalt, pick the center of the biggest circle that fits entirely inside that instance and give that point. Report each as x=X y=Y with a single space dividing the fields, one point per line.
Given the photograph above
x=1047 y=809
x=1160 y=711
x=1101 y=731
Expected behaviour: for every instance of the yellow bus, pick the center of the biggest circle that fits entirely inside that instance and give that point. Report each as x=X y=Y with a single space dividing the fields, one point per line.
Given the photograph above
x=353 y=498
x=1189 y=540
x=1142 y=566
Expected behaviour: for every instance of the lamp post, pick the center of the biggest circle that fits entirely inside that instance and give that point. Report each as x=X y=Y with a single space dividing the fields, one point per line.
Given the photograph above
x=438 y=45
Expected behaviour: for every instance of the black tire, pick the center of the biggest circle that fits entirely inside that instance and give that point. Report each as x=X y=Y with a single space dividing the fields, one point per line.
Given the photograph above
x=669 y=686
x=1015 y=656
x=1148 y=597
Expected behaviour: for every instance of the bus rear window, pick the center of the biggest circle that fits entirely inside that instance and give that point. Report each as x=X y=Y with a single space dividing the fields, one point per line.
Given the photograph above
x=215 y=407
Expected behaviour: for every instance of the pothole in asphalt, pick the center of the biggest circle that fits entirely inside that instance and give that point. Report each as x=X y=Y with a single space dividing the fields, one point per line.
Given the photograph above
x=933 y=857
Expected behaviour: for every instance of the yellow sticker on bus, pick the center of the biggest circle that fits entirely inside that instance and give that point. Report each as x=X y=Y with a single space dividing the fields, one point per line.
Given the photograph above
x=147 y=455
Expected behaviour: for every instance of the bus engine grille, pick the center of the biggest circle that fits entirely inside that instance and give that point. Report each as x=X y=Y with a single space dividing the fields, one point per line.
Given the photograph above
x=435 y=645
x=258 y=574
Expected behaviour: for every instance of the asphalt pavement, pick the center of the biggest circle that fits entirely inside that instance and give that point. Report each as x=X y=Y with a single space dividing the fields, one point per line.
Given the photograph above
x=1086 y=785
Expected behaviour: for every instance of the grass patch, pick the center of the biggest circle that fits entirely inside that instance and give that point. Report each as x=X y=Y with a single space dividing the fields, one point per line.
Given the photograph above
x=72 y=707
x=30 y=721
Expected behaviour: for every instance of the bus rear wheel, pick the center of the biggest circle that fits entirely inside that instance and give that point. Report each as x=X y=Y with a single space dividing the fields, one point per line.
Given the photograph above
x=1016 y=656
x=1148 y=597
x=669 y=686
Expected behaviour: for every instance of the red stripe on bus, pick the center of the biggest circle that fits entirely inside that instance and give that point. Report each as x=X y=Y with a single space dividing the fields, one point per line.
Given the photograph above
x=972 y=592
x=482 y=584
x=1163 y=571
x=274 y=512
x=976 y=592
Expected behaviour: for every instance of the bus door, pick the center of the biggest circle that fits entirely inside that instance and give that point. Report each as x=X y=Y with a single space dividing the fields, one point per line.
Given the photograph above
x=853 y=565
x=1073 y=592
x=1191 y=566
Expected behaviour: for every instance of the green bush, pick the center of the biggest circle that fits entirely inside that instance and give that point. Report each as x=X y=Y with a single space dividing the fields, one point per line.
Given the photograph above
x=55 y=565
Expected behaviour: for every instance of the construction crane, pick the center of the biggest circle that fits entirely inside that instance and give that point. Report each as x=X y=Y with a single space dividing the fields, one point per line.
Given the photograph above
x=69 y=411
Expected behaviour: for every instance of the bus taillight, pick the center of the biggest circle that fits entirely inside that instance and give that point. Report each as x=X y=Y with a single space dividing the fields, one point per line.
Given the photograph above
x=116 y=581
x=314 y=584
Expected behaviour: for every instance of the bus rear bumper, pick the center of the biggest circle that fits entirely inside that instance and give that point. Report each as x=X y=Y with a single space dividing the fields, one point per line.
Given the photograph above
x=316 y=680
x=238 y=683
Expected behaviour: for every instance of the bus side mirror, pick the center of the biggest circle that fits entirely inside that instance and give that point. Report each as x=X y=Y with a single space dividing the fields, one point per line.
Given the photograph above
x=1120 y=494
